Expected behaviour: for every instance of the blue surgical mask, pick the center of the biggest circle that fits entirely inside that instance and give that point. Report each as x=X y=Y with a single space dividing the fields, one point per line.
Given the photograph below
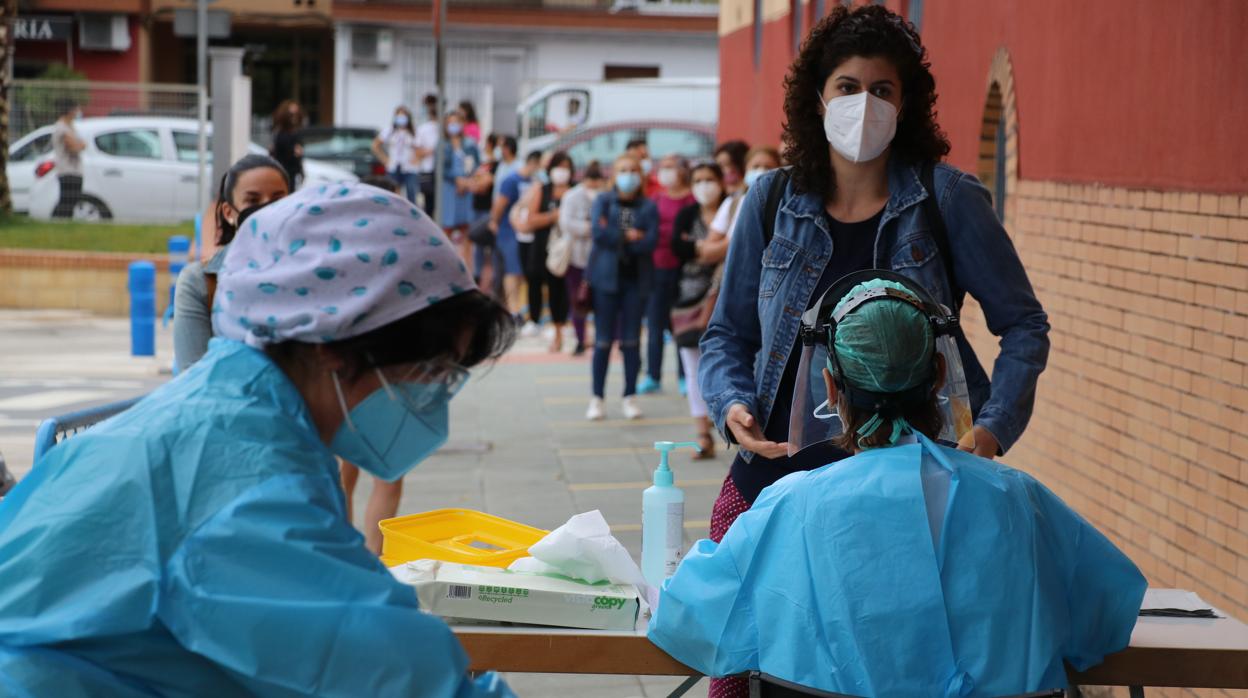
x=627 y=182
x=401 y=120
x=395 y=428
x=498 y=152
x=752 y=176
x=542 y=177
x=454 y=129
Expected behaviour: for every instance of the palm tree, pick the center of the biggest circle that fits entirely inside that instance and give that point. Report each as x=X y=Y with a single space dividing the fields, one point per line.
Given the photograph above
x=7 y=15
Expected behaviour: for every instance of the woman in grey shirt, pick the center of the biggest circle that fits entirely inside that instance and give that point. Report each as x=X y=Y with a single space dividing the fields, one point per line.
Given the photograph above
x=252 y=182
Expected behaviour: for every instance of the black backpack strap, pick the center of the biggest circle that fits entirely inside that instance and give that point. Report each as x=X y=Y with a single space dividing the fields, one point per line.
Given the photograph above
x=936 y=224
x=774 y=192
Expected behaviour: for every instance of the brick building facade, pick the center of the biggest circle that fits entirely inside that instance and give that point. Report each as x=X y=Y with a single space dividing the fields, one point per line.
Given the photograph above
x=1111 y=136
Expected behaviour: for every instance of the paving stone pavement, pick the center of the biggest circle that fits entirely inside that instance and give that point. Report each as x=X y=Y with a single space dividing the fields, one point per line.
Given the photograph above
x=520 y=445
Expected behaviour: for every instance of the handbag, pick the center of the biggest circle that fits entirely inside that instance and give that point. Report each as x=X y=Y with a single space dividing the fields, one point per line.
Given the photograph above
x=558 y=252
x=479 y=233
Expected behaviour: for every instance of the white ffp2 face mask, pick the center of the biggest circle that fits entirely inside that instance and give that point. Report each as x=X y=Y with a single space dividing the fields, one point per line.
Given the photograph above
x=859 y=126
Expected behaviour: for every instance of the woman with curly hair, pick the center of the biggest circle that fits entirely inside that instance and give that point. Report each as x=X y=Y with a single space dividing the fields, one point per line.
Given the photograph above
x=861 y=137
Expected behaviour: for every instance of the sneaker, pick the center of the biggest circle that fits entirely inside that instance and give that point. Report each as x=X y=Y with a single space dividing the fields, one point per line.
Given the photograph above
x=684 y=387
x=595 y=411
x=530 y=329
x=631 y=410
x=648 y=385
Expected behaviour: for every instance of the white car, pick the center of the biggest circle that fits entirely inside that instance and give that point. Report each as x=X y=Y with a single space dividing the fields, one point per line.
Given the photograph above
x=134 y=168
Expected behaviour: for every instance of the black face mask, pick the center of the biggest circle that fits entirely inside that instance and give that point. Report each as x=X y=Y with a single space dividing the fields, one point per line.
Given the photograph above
x=247 y=213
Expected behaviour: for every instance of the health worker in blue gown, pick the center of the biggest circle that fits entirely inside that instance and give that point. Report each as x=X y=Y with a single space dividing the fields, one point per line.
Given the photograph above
x=197 y=544
x=910 y=569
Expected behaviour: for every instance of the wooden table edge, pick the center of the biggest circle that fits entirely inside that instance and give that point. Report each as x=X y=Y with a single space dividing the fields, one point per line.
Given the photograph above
x=600 y=653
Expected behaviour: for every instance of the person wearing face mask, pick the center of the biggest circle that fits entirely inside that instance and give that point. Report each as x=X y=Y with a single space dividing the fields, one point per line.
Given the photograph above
x=541 y=203
x=621 y=274
x=460 y=158
x=223 y=562
x=425 y=149
x=697 y=286
x=862 y=138
x=674 y=195
x=759 y=160
x=394 y=148
x=67 y=149
x=730 y=155
x=252 y=182
x=574 y=221
x=638 y=150
x=502 y=223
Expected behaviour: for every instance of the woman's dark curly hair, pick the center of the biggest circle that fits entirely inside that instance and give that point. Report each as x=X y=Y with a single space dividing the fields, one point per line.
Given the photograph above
x=867 y=31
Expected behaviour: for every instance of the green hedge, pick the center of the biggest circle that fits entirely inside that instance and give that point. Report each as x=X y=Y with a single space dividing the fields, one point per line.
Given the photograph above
x=24 y=233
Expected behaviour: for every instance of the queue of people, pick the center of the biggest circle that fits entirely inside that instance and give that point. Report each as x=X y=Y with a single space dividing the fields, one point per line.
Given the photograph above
x=872 y=560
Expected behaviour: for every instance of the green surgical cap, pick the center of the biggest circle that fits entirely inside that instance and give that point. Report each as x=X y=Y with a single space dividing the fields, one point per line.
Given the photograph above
x=884 y=346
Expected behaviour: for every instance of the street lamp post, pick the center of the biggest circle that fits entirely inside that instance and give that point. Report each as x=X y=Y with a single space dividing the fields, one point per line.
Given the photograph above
x=201 y=83
x=439 y=69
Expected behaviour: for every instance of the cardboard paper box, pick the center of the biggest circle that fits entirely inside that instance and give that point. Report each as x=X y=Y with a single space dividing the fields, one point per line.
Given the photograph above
x=453 y=590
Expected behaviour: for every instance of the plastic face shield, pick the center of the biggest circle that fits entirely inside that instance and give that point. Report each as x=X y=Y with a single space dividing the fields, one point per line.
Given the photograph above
x=812 y=421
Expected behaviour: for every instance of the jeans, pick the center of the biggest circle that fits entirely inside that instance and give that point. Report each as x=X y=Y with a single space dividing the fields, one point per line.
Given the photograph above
x=407 y=181
x=625 y=307
x=71 y=193
x=537 y=276
x=659 y=320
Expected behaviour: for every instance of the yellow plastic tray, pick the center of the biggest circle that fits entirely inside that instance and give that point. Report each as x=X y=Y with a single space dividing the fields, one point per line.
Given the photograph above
x=456 y=535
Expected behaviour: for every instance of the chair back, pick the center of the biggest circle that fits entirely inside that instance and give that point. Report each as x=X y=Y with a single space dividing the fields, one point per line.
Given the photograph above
x=54 y=430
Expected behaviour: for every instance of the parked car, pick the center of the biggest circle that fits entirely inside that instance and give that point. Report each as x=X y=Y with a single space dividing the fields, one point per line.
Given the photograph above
x=346 y=147
x=607 y=142
x=136 y=168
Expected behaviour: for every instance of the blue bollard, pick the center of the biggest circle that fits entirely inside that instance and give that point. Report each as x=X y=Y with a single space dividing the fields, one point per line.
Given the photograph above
x=142 y=287
x=179 y=251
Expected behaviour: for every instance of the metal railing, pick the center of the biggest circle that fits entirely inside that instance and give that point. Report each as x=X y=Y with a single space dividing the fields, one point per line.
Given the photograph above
x=35 y=103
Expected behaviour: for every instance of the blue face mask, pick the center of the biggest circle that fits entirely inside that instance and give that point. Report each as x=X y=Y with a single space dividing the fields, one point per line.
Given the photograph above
x=752 y=176
x=542 y=177
x=627 y=182
x=396 y=427
x=400 y=120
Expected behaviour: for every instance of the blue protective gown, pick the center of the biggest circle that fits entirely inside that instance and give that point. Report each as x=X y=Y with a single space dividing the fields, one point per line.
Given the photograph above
x=198 y=544
x=836 y=580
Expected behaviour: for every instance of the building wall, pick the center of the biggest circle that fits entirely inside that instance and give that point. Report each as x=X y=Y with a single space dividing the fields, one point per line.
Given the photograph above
x=1127 y=203
x=106 y=66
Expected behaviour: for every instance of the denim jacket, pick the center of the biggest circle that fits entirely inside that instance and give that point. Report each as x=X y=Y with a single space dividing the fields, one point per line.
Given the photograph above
x=767 y=288
x=604 y=256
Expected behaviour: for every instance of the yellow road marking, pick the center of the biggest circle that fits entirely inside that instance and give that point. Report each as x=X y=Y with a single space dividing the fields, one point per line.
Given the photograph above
x=552 y=380
x=617 y=423
x=608 y=486
x=566 y=400
x=585 y=452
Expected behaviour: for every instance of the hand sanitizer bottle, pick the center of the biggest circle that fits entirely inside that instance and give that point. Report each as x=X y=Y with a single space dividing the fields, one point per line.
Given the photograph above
x=662 y=519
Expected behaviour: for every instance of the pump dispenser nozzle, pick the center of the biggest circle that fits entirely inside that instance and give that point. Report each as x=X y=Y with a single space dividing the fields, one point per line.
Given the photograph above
x=663 y=474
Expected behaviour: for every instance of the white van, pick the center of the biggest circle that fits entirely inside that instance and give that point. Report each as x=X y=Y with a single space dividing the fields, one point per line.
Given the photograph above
x=564 y=107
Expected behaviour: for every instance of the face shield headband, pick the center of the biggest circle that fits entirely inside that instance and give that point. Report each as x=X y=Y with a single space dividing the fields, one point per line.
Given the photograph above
x=808 y=426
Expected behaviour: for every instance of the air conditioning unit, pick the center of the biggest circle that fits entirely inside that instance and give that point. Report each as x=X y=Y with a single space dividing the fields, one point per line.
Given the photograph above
x=104 y=32
x=372 y=47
